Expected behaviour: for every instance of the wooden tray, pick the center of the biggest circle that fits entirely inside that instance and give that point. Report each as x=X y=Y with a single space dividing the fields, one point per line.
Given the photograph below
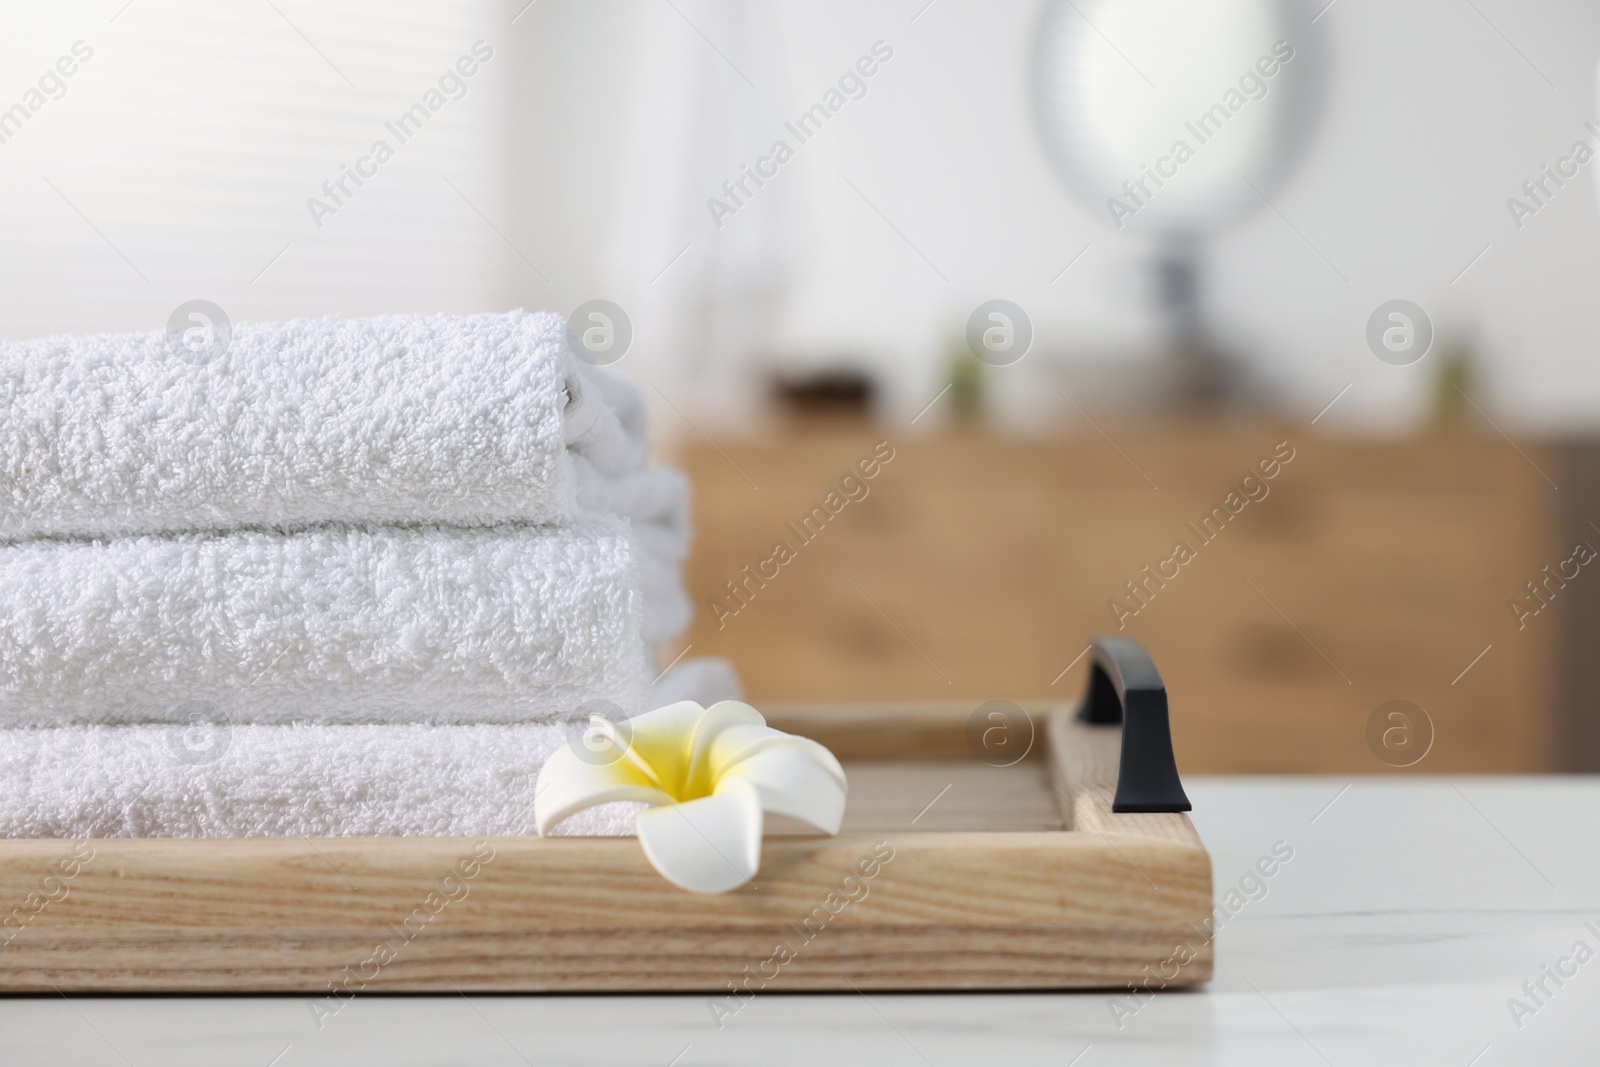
x=949 y=874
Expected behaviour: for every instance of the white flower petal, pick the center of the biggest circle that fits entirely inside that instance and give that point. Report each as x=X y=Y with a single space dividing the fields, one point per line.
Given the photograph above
x=713 y=774
x=710 y=845
x=721 y=719
x=569 y=782
x=825 y=759
x=738 y=709
x=669 y=720
x=792 y=781
x=727 y=731
x=661 y=742
x=738 y=743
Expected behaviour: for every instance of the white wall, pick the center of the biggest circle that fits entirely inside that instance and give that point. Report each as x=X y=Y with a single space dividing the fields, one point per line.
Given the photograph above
x=1431 y=121
x=179 y=162
x=591 y=142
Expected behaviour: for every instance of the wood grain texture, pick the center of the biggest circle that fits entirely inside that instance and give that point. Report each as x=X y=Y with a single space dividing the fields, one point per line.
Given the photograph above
x=925 y=730
x=1576 y=614
x=1084 y=761
x=888 y=904
x=927 y=797
x=979 y=566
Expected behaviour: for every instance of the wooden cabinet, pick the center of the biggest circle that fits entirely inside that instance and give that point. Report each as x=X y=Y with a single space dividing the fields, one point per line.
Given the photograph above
x=975 y=567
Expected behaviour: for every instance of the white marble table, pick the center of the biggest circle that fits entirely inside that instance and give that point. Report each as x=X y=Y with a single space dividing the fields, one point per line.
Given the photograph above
x=1412 y=911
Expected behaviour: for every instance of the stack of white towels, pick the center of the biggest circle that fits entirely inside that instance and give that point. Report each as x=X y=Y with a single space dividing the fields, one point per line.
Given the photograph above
x=348 y=578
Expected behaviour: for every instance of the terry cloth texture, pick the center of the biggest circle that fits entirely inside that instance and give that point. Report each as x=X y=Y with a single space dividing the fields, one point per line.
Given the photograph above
x=334 y=624
x=211 y=779
x=463 y=420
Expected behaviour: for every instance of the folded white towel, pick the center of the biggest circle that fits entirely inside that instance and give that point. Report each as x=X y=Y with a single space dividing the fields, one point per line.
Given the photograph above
x=655 y=501
x=303 y=780
x=334 y=624
x=604 y=420
x=207 y=776
x=462 y=420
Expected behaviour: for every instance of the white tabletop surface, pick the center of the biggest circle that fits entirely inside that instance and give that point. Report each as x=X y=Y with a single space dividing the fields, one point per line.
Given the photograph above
x=1411 y=912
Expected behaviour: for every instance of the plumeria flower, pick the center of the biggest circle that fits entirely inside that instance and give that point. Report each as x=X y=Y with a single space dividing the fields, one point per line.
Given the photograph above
x=711 y=776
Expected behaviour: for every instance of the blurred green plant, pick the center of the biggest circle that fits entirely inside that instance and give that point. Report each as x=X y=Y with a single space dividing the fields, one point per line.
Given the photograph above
x=1455 y=383
x=967 y=384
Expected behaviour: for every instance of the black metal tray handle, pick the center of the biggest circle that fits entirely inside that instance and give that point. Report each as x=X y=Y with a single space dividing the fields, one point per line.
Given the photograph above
x=1126 y=688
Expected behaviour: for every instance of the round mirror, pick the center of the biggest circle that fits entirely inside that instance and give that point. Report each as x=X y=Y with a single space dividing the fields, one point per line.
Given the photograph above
x=1175 y=119
x=1164 y=113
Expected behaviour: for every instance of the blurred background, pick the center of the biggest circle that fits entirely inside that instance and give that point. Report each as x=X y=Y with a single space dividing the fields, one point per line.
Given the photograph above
x=929 y=295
